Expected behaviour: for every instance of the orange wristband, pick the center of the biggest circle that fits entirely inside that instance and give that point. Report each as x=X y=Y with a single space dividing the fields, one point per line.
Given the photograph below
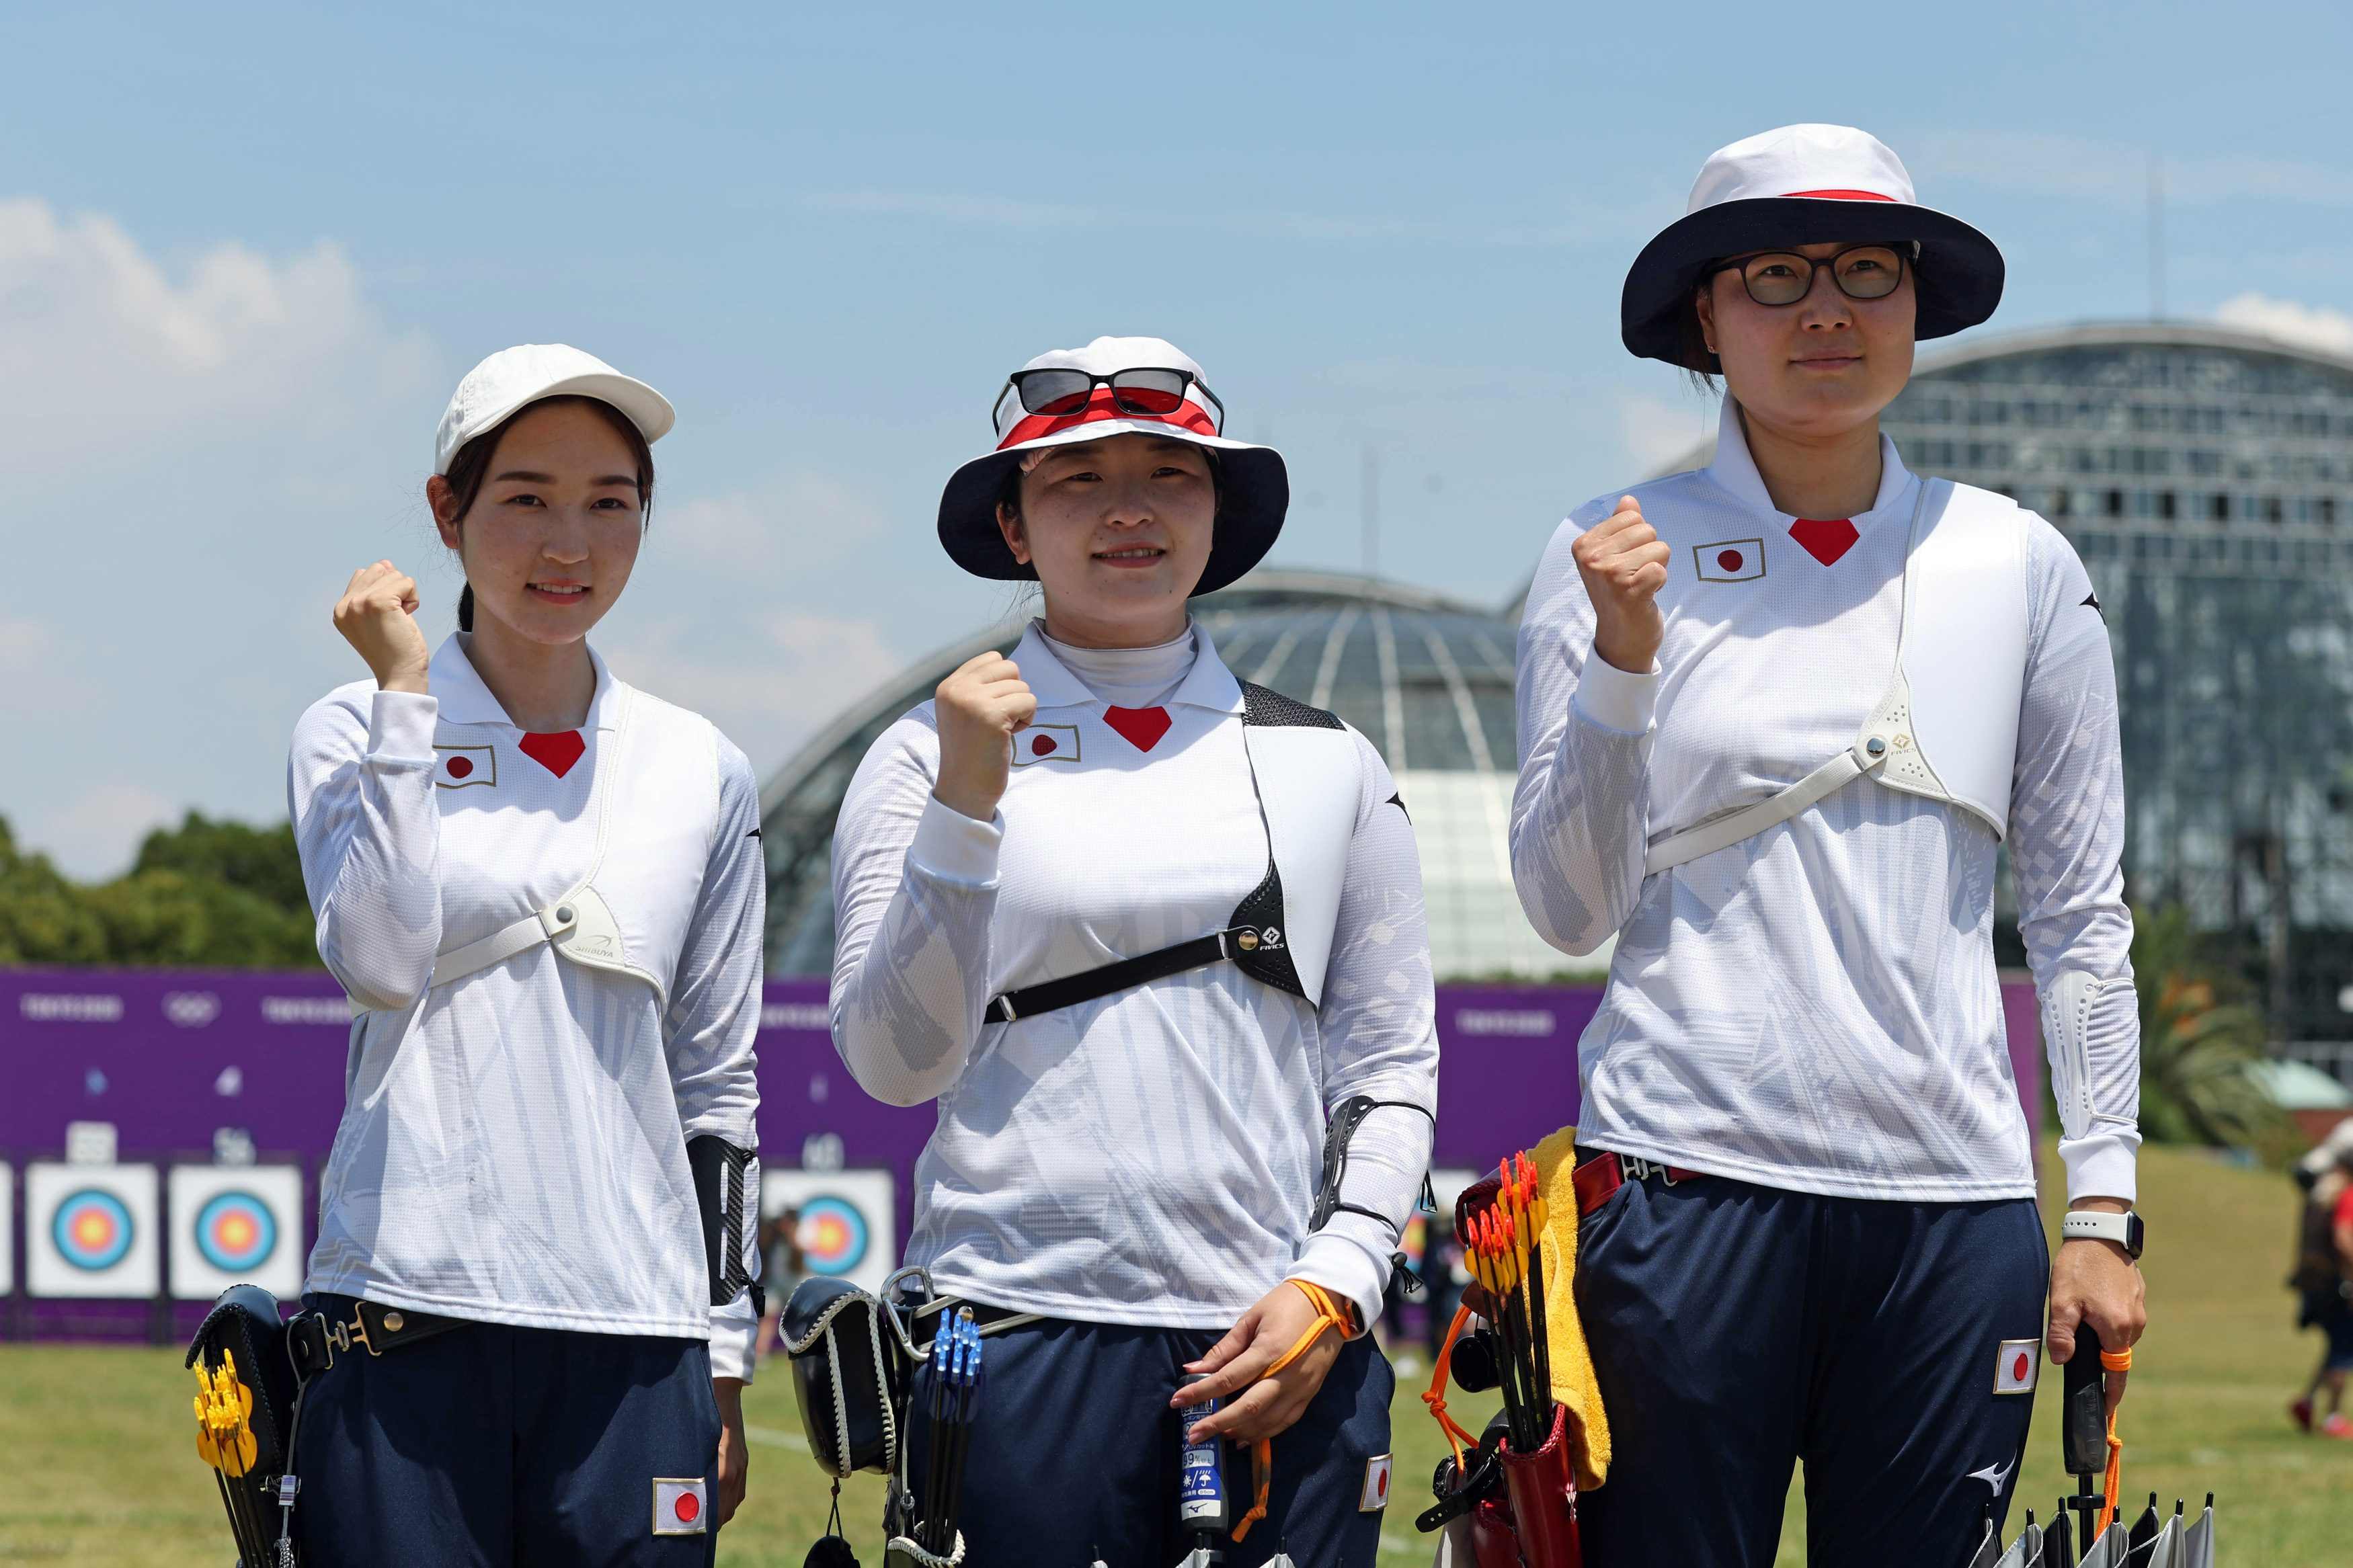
x=1331 y=1311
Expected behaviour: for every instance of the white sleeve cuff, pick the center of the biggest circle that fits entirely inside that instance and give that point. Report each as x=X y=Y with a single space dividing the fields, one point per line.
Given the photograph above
x=2104 y=1163
x=400 y=727
x=1608 y=695
x=1342 y=1268
x=734 y=1334
x=952 y=847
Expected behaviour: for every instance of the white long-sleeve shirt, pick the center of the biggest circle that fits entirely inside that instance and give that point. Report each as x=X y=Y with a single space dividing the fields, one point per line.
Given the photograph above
x=1150 y=1157
x=1816 y=1008
x=513 y=1149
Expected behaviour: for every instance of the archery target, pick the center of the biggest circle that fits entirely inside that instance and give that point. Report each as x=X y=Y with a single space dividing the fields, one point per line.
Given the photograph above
x=845 y=1225
x=236 y=1225
x=832 y=1235
x=89 y=1231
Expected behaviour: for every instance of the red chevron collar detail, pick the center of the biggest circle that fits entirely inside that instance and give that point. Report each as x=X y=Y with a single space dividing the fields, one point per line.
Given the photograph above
x=1825 y=539
x=556 y=752
x=1142 y=726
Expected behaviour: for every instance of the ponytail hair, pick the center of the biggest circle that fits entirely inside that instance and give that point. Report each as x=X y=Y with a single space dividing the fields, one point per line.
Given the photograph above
x=471 y=468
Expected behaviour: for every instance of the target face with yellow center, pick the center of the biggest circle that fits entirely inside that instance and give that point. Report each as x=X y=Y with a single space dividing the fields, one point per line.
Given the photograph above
x=237 y=1232
x=832 y=1234
x=92 y=1229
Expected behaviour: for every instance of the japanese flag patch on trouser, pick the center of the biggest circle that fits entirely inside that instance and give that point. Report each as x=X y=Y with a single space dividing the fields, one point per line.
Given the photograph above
x=1375 y=1496
x=2014 y=1365
x=680 y=1507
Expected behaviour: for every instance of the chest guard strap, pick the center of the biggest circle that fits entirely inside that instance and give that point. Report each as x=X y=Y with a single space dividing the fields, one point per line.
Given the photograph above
x=1258 y=939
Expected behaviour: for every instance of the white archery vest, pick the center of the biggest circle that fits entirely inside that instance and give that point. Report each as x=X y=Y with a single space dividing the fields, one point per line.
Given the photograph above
x=1947 y=725
x=655 y=797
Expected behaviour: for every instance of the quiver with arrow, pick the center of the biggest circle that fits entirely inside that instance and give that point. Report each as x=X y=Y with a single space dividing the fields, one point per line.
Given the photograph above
x=245 y=1404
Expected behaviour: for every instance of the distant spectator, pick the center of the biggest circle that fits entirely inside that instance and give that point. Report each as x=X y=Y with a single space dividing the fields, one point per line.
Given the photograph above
x=783 y=1266
x=2324 y=1276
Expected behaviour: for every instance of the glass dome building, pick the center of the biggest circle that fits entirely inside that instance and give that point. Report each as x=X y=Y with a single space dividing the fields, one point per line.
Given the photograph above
x=1428 y=679
x=2205 y=475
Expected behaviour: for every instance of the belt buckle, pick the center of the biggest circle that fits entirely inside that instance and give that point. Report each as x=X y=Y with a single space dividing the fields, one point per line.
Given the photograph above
x=343 y=1336
x=1634 y=1168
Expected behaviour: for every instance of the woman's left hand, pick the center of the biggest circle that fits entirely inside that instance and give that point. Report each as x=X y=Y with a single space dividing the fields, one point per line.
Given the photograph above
x=733 y=1461
x=2093 y=1282
x=1259 y=1338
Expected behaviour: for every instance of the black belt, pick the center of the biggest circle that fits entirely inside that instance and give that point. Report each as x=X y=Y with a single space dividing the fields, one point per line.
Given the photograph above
x=1159 y=964
x=313 y=1339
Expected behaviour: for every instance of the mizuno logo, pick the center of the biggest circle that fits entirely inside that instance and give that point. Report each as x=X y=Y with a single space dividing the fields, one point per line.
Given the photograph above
x=1994 y=1477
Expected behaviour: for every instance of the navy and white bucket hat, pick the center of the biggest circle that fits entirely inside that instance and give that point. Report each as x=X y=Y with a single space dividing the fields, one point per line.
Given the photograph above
x=1115 y=386
x=1806 y=184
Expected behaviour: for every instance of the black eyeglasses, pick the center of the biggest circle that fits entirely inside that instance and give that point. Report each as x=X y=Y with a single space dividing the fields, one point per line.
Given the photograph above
x=1785 y=277
x=1153 y=393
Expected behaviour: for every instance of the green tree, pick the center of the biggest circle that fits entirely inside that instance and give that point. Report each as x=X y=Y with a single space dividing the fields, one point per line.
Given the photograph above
x=43 y=919
x=2198 y=1032
x=262 y=862
x=206 y=894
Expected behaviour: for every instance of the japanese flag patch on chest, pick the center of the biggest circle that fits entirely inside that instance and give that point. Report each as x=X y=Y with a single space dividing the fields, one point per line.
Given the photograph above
x=1046 y=743
x=465 y=768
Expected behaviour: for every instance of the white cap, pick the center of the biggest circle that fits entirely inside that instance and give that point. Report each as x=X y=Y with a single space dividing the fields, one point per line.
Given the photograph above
x=512 y=378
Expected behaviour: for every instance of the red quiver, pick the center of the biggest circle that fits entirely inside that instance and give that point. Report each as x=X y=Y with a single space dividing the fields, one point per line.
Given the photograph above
x=1535 y=1525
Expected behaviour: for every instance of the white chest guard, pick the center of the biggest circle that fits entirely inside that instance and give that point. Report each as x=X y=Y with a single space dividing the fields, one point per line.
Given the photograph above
x=1309 y=781
x=655 y=794
x=1946 y=726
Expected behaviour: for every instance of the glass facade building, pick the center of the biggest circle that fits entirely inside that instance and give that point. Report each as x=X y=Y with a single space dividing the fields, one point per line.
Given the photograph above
x=1428 y=679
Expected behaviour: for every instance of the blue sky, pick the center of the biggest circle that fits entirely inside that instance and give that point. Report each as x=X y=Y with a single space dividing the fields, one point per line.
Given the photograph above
x=245 y=253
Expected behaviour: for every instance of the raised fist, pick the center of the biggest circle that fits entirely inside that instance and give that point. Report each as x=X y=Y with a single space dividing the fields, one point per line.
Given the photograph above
x=378 y=616
x=1624 y=564
x=980 y=708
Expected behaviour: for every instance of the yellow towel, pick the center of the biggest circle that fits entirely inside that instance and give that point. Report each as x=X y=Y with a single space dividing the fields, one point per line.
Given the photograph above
x=1572 y=1363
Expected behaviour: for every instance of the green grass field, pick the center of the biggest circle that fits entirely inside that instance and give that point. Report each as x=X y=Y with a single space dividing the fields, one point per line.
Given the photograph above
x=104 y=1470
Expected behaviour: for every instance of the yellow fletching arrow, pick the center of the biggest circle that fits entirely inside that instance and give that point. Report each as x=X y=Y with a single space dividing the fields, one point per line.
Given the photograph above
x=224 y=1418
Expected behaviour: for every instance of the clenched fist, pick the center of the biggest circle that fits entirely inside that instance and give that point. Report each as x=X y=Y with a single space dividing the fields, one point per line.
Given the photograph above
x=1624 y=564
x=980 y=708
x=378 y=616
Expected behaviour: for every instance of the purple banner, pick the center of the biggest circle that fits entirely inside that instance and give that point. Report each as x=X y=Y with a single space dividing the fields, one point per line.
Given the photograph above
x=174 y=1058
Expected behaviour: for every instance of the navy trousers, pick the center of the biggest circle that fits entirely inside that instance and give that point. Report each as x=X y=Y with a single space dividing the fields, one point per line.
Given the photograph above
x=1075 y=1451
x=491 y=1446
x=1737 y=1330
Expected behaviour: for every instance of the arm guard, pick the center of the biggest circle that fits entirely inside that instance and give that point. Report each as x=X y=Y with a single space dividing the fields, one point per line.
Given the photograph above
x=727 y=1190
x=1349 y=1116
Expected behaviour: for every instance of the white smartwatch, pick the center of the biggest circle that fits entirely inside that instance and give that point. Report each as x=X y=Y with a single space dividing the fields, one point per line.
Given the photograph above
x=2124 y=1229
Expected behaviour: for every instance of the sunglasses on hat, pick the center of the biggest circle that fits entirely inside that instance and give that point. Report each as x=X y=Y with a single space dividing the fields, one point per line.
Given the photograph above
x=1785 y=277
x=1151 y=392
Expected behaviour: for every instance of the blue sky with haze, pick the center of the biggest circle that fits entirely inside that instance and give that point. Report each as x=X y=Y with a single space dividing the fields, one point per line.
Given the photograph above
x=245 y=253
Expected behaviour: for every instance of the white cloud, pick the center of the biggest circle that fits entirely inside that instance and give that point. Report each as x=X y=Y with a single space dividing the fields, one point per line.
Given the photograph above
x=37 y=679
x=797 y=520
x=1586 y=222
x=735 y=610
x=197 y=451
x=2024 y=161
x=93 y=834
x=2308 y=326
x=768 y=681
x=1655 y=433
x=108 y=353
